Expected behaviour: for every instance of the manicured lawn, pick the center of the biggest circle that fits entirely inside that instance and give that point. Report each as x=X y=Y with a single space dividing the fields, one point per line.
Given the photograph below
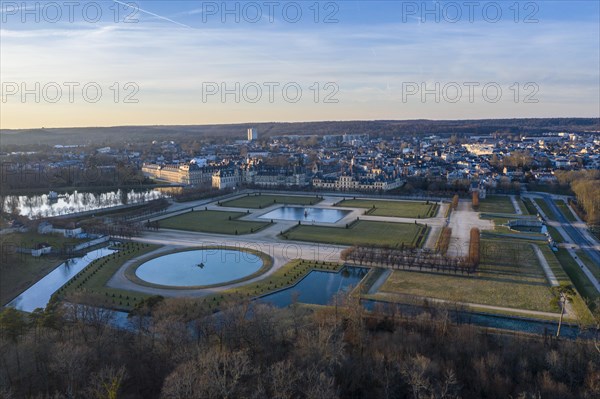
x=496 y=204
x=401 y=209
x=531 y=209
x=565 y=210
x=546 y=208
x=509 y=276
x=219 y=222
x=93 y=279
x=579 y=279
x=556 y=236
x=594 y=268
x=361 y=232
x=262 y=201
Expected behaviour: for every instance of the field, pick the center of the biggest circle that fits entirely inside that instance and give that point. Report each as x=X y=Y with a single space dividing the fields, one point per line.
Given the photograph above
x=496 y=204
x=361 y=232
x=400 y=209
x=509 y=276
x=219 y=222
x=265 y=200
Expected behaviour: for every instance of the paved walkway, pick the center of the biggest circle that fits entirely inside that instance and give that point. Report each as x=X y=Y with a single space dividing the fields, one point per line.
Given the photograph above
x=544 y=263
x=518 y=210
x=461 y=222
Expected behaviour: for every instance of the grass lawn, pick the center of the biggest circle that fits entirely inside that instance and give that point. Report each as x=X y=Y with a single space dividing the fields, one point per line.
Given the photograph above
x=93 y=279
x=594 y=268
x=556 y=236
x=579 y=279
x=496 y=204
x=509 y=276
x=546 y=208
x=219 y=222
x=360 y=232
x=564 y=208
x=401 y=209
x=531 y=209
x=265 y=200
x=30 y=239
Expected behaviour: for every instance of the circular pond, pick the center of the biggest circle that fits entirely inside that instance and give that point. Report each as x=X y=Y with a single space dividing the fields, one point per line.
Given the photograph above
x=201 y=267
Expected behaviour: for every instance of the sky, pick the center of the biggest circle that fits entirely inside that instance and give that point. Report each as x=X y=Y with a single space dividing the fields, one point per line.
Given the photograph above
x=111 y=63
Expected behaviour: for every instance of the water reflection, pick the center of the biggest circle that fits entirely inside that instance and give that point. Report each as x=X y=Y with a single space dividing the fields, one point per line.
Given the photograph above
x=38 y=295
x=318 y=287
x=306 y=214
x=46 y=205
x=199 y=267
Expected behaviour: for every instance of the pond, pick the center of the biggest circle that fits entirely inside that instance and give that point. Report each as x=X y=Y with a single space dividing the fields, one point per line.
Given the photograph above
x=47 y=205
x=199 y=267
x=318 y=287
x=319 y=215
x=38 y=295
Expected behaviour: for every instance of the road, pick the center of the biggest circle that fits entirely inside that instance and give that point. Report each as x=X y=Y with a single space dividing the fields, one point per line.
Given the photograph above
x=572 y=235
x=573 y=232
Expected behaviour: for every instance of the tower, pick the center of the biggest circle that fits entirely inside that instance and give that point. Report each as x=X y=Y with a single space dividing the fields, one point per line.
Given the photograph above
x=252 y=134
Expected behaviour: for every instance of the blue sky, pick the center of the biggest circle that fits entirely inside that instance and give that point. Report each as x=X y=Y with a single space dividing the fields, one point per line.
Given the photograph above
x=374 y=59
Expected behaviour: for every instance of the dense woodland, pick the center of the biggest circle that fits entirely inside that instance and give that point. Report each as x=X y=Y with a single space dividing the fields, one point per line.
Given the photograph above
x=255 y=351
x=586 y=186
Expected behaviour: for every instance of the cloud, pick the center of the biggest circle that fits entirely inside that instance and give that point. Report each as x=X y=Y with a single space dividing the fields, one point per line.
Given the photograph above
x=170 y=63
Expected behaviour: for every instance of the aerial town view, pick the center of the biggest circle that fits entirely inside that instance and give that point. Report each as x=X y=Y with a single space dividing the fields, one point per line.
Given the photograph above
x=328 y=199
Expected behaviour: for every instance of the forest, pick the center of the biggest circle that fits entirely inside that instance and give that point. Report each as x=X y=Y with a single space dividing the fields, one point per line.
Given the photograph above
x=175 y=349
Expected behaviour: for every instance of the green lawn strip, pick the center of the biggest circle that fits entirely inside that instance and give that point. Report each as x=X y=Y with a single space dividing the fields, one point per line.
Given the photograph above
x=583 y=285
x=578 y=302
x=546 y=208
x=286 y=276
x=531 y=209
x=556 y=236
x=361 y=232
x=594 y=268
x=509 y=276
x=265 y=200
x=93 y=278
x=564 y=208
x=219 y=222
x=401 y=209
x=496 y=204
x=267 y=263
